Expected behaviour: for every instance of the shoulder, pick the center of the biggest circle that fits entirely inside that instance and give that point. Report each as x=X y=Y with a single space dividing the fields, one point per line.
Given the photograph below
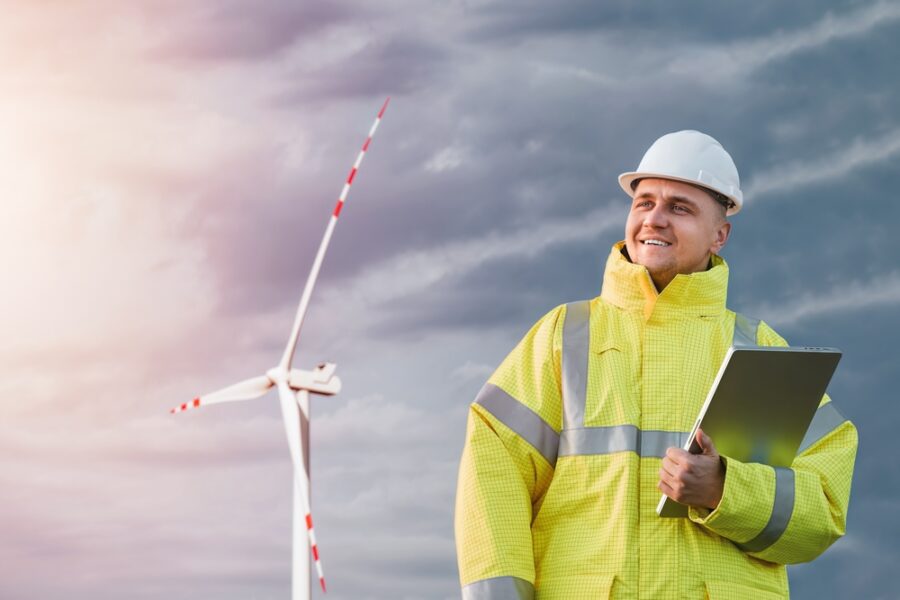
x=766 y=336
x=555 y=319
x=546 y=335
x=756 y=329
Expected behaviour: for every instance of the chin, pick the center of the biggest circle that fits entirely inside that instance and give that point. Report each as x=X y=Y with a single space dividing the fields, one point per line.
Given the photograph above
x=658 y=271
x=657 y=268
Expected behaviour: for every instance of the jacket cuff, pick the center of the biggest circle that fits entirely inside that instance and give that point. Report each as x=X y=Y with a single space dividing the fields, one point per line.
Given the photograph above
x=499 y=588
x=746 y=503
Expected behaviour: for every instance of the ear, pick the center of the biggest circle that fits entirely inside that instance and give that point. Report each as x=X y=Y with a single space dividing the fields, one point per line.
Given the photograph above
x=722 y=234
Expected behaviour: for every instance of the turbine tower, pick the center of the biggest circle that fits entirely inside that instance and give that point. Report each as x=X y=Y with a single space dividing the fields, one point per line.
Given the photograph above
x=294 y=387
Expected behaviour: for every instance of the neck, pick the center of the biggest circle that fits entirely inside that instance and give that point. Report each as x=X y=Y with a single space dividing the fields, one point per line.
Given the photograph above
x=631 y=287
x=661 y=280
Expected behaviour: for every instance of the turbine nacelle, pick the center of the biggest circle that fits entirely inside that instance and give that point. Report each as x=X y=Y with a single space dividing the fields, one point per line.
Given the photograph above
x=321 y=380
x=324 y=371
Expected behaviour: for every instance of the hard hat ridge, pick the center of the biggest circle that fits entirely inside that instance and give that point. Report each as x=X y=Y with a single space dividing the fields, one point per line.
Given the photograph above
x=692 y=157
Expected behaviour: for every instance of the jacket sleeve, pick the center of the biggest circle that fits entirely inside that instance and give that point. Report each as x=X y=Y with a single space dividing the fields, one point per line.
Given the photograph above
x=507 y=463
x=789 y=515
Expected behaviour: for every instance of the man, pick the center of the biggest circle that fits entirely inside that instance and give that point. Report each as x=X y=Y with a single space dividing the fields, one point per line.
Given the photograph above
x=576 y=433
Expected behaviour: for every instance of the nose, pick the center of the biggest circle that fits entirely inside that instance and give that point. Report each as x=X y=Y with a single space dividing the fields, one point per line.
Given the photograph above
x=656 y=217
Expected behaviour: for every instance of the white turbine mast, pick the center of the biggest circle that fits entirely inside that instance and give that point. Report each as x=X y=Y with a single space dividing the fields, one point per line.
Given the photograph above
x=294 y=387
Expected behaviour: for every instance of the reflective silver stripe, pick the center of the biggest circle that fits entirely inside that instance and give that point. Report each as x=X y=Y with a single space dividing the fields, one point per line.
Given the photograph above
x=599 y=440
x=827 y=419
x=655 y=443
x=499 y=588
x=618 y=438
x=522 y=420
x=782 y=509
x=744 y=331
x=576 y=338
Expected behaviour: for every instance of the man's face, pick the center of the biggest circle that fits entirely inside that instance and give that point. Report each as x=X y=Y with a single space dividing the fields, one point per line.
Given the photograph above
x=672 y=228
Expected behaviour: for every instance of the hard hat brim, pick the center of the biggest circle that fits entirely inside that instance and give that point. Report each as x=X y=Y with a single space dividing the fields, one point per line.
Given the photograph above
x=626 y=179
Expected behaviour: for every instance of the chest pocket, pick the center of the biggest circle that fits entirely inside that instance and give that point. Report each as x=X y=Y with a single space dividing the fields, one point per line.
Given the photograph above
x=613 y=384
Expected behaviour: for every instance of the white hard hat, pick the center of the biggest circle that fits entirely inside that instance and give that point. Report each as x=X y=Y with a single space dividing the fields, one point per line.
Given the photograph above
x=691 y=157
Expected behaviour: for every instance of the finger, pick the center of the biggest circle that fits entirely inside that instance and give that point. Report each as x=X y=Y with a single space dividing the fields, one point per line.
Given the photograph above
x=701 y=439
x=668 y=466
x=670 y=479
x=664 y=488
x=677 y=455
x=666 y=484
x=669 y=490
x=705 y=442
x=665 y=475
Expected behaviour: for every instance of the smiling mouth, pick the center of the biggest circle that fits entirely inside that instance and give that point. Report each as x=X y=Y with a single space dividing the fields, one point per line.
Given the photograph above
x=655 y=243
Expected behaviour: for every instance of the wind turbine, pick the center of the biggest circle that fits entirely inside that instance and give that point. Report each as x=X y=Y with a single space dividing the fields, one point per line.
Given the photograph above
x=294 y=387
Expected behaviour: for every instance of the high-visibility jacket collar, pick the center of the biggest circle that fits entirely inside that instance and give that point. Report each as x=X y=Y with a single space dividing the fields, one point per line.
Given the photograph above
x=630 y=287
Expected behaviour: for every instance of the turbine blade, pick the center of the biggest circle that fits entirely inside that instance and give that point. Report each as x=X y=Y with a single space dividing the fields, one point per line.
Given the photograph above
x=314 y=547
x=291 y=413
x=245 y=390
x=323 y=246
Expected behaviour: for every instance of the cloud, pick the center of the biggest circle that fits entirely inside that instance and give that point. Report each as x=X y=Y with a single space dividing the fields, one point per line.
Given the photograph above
x=418 y=270
x=714 y=51
x=373 y=295
x=75 y=497
x=857 y=154
x=447 y=159
x=569 y=18
x=379 y=457
x=723 y=62
x=848 y=297
x=92 y=273
x=232 y=30
x=376 y=424
x=394 y=65
x=471 y=371
x=869 y=548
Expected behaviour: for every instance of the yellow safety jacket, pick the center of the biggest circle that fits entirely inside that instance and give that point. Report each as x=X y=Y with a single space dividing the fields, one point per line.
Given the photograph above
x=557 y=488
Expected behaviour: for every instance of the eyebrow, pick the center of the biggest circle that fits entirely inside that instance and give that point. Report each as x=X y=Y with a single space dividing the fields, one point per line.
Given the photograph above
x=675 y=198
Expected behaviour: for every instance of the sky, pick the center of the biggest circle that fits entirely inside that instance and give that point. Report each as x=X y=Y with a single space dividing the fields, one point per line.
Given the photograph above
x=167 y=170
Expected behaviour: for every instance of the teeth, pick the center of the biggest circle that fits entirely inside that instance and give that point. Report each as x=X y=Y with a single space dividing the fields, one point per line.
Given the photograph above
x=656 y=243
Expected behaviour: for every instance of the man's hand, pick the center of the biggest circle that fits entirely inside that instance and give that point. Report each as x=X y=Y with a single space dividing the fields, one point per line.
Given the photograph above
x=694 y=479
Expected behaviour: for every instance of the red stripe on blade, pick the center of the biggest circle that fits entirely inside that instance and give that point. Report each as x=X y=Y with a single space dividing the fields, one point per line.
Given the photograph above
x=337 y=209
x=366 y=145
x=315 y=553
x=309 y=521
x=351 y=176
x=381 y=112
x=196 y=402
x=322 y=582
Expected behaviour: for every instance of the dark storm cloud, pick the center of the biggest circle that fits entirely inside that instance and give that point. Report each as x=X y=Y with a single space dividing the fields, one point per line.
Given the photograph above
x=398 y=203
x=480 y=300
x=516 y=170
x=652 y=23
x=400 y=65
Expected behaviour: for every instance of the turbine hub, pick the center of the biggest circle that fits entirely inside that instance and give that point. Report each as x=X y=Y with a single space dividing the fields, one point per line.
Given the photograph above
x=278 y=375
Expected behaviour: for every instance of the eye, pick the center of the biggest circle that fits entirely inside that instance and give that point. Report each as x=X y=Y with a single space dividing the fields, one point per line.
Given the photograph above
x=680 y=208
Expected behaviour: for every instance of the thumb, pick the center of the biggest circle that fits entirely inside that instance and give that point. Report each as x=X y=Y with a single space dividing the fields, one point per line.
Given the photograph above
x=706 y=443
